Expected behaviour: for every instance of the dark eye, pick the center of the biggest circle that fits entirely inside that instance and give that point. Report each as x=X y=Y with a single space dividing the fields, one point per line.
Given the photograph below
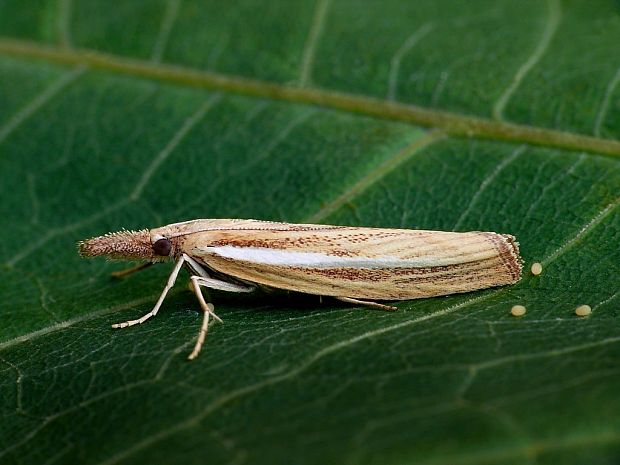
x=162 y=247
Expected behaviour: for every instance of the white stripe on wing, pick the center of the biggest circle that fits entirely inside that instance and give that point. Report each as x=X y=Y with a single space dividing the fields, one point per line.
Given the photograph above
x=280 y=257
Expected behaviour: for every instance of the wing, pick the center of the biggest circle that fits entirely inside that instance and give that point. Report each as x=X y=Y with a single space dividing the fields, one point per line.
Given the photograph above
x=389 y=264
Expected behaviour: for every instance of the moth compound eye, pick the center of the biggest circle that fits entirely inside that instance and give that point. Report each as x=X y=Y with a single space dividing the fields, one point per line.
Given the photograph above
x=162 y=247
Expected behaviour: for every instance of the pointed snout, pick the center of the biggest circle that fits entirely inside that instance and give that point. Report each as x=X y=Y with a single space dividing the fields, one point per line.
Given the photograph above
x=122 y=245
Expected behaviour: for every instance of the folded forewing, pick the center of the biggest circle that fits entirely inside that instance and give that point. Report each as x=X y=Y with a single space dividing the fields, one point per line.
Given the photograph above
x=360 y=262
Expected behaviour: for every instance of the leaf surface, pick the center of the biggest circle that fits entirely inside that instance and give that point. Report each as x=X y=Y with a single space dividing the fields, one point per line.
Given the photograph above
x=481 y=115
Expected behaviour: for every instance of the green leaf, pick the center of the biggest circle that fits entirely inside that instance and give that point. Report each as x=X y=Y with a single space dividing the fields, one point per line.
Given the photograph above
x=481 y=115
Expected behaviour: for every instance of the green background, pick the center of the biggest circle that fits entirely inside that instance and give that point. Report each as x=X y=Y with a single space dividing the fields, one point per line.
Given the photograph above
x=140 y=134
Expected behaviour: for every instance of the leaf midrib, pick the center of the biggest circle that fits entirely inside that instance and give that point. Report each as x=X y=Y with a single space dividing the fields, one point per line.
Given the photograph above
x=451 y=123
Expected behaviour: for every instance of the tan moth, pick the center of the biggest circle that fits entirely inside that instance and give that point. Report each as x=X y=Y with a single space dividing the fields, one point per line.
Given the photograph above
x=352 y=264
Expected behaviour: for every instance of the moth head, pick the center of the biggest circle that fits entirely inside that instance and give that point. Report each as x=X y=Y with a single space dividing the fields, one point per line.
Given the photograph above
x=128 y=245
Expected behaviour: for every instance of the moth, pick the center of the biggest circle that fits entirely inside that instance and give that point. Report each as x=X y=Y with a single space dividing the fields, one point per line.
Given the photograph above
x=352 y=264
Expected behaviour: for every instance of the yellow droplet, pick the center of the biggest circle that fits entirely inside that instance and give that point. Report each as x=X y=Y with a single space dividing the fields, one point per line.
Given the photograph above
x=536 y=268
x=518 y=310
x=583 y=310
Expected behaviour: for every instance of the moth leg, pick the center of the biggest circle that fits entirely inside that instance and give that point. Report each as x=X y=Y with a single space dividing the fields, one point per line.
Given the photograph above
x=197 y=282
x=169 y=284
x=212 y=283
x=368 y=303
x=208 y=311
x=196 y=267
x=132 y=270
x=220 y=285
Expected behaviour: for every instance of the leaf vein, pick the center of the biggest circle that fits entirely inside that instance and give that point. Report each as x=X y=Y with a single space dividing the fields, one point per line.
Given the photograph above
x=167 y=23
x=176 y=139
x=555 y=15
x=65 y=8
x=572 y=241
x=72 y=321
x=38 y=102
x=55 y=232
x=405 y=48
x=375 y=175
x=19 y=377
x=602 y=113
x=607 y=300
x=486 y=182
x=318 y=21
x=547 y=186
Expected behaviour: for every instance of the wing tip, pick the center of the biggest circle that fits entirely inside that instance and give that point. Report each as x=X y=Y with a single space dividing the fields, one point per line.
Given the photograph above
x=511 y=256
